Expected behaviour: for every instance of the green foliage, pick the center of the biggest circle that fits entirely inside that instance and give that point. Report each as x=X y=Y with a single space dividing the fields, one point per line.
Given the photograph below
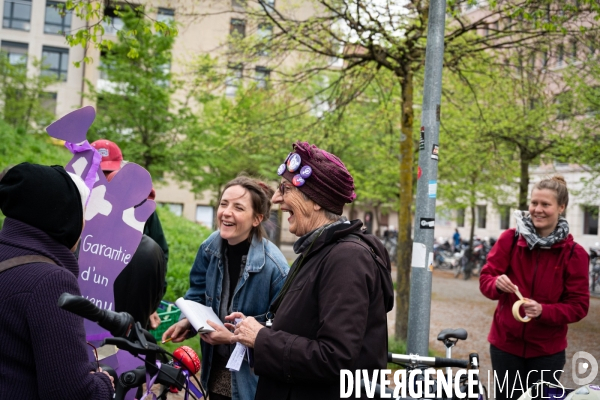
x=22 y=95
x=184 y=238
x=38 y=148
x=252 y=133
x=93 y=33
x=18 y=146
x=137 y=110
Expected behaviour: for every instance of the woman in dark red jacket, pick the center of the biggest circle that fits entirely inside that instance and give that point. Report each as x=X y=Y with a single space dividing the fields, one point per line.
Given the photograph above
x=550 y=270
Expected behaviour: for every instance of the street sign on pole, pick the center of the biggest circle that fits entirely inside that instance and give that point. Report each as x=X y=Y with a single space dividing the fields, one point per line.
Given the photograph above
x=422 y=253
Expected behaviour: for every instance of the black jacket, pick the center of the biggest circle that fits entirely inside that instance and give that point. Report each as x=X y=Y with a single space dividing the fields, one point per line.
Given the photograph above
x=333 y=317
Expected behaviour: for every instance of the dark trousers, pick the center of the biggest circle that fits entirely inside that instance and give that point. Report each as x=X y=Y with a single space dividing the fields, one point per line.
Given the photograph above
x=522 y=372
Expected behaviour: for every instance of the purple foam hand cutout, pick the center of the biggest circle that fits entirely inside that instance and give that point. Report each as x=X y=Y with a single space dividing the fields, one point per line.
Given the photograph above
x=112 y=233
x=114 y=226
x=73 y=127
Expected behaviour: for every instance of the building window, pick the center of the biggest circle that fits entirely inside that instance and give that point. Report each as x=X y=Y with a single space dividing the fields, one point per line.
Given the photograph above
x=460 y=217
x=58 y=20
x=175 y=208
x=590 y=220
x=17 y=14
x=205 y=216
x=112 y=23
x=545 y=58
x=237 y=27
x=269 y=3
x=560 y=55
x=238 y=3
x=573 y=51
x=265 y=32
x=504 y=217
x=233 y=80
x=165 y=15
x=16 y=52
x=471 y=5
x=55 y=61
x=48 y=101
x=262 y=77
x=481 y=216
x=591 y=44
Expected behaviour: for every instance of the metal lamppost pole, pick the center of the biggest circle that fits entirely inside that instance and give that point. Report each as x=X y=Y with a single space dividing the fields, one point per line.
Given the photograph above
x=422 y=254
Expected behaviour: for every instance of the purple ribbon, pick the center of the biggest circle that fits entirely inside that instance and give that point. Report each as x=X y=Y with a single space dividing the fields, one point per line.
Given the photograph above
x=84 y=146
x=189 y=385
x=150 y=383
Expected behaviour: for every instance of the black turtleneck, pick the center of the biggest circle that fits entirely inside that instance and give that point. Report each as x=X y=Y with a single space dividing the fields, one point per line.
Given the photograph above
x=234 y=263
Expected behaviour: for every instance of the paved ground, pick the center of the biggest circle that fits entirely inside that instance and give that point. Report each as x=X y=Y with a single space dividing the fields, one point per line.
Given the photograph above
x=459 y=304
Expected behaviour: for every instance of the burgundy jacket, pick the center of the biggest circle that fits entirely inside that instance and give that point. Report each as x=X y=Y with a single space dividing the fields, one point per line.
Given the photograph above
x=333 y=317
x=43 y=353
x=557 y=278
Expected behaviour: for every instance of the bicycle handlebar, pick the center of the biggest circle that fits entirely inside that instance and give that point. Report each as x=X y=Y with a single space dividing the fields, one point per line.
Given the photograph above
x=429 y=361
x=118 y=324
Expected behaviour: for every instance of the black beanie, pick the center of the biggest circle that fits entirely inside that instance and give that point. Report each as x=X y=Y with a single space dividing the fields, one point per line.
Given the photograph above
x=43 y=197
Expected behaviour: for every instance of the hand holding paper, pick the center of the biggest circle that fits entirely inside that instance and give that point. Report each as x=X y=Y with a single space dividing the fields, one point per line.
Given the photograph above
x=198 y=314
x=221 y=335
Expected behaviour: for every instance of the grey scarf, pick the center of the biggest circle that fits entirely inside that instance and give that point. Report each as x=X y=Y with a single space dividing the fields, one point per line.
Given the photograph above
x=526 y=229
x=304 y=241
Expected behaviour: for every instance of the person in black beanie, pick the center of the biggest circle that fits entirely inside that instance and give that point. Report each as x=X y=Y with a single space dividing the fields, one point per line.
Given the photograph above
x=331 y=312
x=43 y=347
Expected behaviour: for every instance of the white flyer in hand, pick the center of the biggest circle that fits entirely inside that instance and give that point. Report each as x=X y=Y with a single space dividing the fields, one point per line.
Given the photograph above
x=197 y=314
x=237 y=357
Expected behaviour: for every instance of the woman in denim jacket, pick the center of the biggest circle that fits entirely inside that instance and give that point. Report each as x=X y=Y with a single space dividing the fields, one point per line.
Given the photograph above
x=236 y=269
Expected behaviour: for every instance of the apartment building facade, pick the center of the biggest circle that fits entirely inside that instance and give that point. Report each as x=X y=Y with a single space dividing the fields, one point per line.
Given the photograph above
x=35 y=30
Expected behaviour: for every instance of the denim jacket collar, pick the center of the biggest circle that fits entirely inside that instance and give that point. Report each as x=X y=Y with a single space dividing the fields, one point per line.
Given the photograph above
x=256 y=254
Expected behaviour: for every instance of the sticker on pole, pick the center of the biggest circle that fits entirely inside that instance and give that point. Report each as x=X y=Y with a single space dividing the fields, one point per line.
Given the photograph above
x=419 y=172
x=427 y=223
x=422 y=141
x=432 y=189
x=434 y=152
x=419 y=253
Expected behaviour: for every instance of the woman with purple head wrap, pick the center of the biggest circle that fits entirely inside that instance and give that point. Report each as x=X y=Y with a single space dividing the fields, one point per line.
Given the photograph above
x=331 y=312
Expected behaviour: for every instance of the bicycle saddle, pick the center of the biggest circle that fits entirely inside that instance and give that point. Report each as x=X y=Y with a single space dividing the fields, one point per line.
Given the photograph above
x=459 y=333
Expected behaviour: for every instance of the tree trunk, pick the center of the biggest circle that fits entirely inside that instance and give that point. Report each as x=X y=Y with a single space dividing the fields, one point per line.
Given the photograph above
x=377 y=232
x=404 y=249
x=524 y=182
x=473 y=222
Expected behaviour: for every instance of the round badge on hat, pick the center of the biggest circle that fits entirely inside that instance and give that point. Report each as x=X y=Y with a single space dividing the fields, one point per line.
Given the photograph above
x=281 y=169
x=294 y=162
x=298 y=180
x=305 y=171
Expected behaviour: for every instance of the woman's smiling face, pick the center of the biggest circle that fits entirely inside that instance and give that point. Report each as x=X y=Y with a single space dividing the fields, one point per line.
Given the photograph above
x=544 y=211
x=235 y=215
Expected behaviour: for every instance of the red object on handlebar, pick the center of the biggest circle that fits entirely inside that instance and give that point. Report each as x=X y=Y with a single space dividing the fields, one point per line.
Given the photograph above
x=186 y=356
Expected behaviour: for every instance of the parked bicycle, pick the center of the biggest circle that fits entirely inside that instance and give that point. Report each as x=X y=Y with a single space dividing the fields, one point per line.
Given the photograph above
x=419 y=363
x=390 y=242
x=443 y=255
x=473 y=259
x=131 y=337
x=595 y=267
x=595 y=277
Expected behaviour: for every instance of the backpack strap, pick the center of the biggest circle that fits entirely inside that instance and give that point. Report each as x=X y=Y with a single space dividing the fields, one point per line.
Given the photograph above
x=22 y=260
x=356 y=239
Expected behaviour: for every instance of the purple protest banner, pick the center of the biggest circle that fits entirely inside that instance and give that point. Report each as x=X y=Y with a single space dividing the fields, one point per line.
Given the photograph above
x=113 y=230
x=115 y=215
